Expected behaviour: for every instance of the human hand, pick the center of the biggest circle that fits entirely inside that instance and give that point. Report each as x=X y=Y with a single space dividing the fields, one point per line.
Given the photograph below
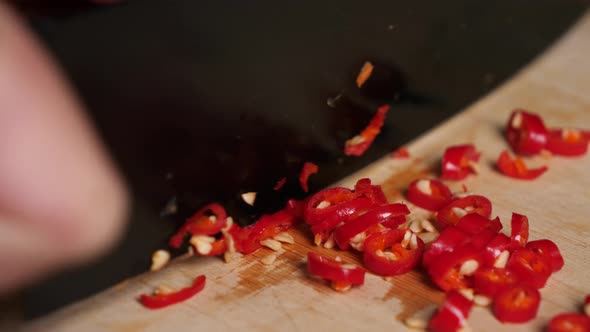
x=61 y=200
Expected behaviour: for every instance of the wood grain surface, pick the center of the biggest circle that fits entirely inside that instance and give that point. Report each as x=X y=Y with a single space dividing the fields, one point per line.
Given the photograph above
x=248 y=295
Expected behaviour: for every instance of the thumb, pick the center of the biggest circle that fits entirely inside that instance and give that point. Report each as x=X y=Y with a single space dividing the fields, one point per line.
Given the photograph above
x=61 y=201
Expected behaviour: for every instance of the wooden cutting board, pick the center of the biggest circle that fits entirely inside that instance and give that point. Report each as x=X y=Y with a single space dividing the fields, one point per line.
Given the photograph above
x=247 y=295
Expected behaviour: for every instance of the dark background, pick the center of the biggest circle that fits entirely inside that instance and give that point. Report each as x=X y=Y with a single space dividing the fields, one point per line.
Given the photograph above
x=204 y=100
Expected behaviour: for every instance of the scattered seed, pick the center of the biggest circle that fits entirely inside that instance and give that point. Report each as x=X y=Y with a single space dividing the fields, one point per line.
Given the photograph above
x=202 y=243
x=269 y=259
x=424 y=187
x=517 y=120
x=459 y=212
x=164 y=289
x=329 y=244
x=467 y=293
x=481 y=300
x=474 y=167
x=323 y=205
x=413 y=242
x=428 y=237
x=420 y=319
x=428 y=226
x=341 y=287
x=249 y=198
x=317 y=239
x=469 y=267
x=406 y=239
x=159 y=259
x=284 y=237
x=502 y=260
x=271 y=244
x=416 y=226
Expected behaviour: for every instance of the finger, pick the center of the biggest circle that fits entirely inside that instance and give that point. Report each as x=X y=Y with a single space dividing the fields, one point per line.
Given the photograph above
x=55 y=177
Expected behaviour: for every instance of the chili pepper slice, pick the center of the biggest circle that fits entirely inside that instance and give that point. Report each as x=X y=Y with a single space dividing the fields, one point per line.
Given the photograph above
x=494 y=248
x=448 y=240
x=280 y=184
x=474 y=223
x=567 y=142
x=308 y=169
x=334 y=270
x=489 y=281
x=453 y=270
x=516 y=168
x=344 y=233
x=526 y=132
x=452 y=315
x=401 y=153
x=364 y=74
x=549 y=249
x=519 y=234
x=384 y=254
x=532 y=267
x=516 y=304
x=455 y=210
x=201 y=224
x=341 y=215
x=429 y=194
x=357 y=145
x=163 y=300
x=295 y=208
x=393 y=222
x=458 y=161
x=315 y=211
x=248 y=238
x=571 y=322
x=364 y=188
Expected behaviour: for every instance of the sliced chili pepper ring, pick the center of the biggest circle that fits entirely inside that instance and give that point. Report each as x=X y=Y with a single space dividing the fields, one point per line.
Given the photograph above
x=385 y=255
x=458 y=162
x=334 y=270
x=516 y=304
x=429 y=194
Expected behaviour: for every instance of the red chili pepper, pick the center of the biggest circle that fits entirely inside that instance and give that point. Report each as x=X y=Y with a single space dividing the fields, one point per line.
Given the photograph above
x=401 y=153
x=474 y=223
x=343 y=234
x=567 y=142
x=280 y=184
x=452 y=315
x=201 y=224
x=549 y=249
x=429 y=194
x=530 y=266
x=357 y=145
x=380 y=246
x=217 y=248
x=364 y=188
x=494 y=248
x=295 y=208
x=448 y=271
x=393 y=222
x=519 y=234
x=571 y=322
x=455 y=210
x=341 y=215
x=307 y=170
x=248 y=238
x=332 y=197
x=516 y=304
x=457 y=162
x=489 y=281
x=163 y=300
x=448 y=240
x=516 y=168
x=333 y=270
x=526 y=133
x=364 y=74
